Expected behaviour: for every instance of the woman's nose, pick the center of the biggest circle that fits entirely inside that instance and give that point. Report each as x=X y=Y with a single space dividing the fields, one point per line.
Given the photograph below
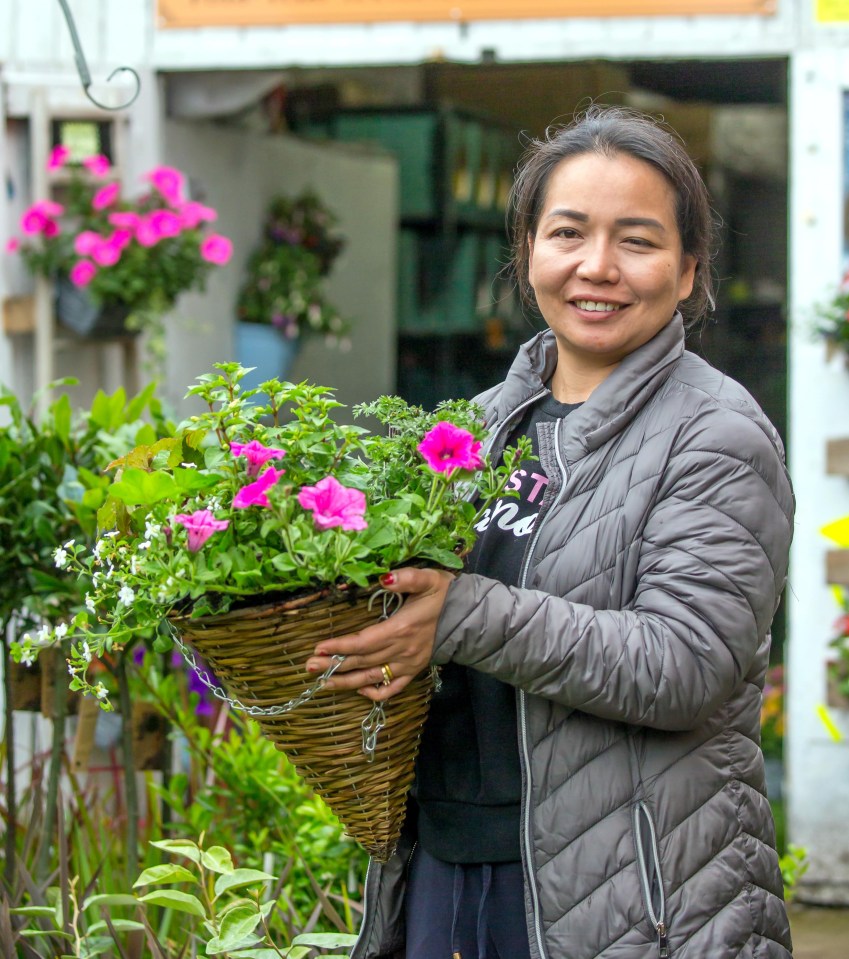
x=598 y=263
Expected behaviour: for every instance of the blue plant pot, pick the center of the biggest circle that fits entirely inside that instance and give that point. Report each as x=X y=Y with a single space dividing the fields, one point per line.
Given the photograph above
x=267 y=349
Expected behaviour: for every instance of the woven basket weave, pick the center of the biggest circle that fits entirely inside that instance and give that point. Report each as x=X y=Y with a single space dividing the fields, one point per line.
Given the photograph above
x=259 y=654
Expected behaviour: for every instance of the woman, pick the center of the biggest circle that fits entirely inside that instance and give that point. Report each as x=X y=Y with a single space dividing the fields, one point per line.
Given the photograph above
x=632 y=631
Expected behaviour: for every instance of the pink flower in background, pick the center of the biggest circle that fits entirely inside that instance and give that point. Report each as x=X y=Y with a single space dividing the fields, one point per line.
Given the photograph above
x=254 y=494
x=169 y=182
x=333 y=504
x=97 y=165
x=447 y=447
x=146 y=235
x=86 y=242
x=13 y=244
x=36 y=219
x=124 y=219
x=256 y=454
x=216 y=249
x=82 y=273
x=193 y=214
x=121 y=238
x=51 y=229
x=58 y=157
x=107 y=252
x=200 y=525
x=106 y=196
x=165 y=223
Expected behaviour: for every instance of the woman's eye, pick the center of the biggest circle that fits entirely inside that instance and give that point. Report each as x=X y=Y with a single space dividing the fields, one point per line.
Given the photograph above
x=566 y=232
x=639 y=241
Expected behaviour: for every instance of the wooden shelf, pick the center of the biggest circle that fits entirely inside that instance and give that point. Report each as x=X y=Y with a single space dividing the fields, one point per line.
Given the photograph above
x=837 y=567
x=837 y=457
x=18 y=314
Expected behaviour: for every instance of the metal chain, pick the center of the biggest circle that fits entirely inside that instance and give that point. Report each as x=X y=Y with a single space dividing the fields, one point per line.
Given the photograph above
x=371 y=726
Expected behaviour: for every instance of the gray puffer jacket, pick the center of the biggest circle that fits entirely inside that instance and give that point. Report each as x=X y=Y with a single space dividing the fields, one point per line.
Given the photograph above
x=638 y=644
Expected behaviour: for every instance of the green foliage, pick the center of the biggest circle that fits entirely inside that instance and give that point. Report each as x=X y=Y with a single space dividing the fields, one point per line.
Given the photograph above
x=406 y=508
x=793 y=865
x=285 y=272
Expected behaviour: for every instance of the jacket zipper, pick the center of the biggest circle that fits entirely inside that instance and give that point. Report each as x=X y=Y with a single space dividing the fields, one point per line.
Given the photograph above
x=656 y=917
x=527 y=845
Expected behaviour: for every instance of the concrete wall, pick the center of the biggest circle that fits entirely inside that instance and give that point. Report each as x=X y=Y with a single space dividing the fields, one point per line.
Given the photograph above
x=238 y=173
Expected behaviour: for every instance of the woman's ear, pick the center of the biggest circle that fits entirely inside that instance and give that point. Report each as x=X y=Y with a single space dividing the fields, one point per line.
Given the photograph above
x=689 y=265
x=530 y=252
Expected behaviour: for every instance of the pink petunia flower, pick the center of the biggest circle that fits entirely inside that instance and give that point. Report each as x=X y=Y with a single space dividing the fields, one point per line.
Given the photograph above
x=256 y=454
x=58 y=157
x=193 y=214
x=124 y=219
x=333 y=504
x=146 y=235
x=37 y=217
x=200 y=525
x=13 y=244
x=169 y=182
x=97 y=165
x=447 y=447
x=165 y=223
x=82 y=272
x=86 y=242
x=216 y=249
x=51 y=229
x=254 y=494
x=106 y=196
x=107 y=252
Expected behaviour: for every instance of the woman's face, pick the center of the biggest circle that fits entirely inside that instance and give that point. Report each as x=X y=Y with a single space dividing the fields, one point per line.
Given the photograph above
x=606 y=261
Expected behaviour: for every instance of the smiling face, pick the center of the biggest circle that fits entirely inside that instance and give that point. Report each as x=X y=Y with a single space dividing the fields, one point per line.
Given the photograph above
x=606 y=263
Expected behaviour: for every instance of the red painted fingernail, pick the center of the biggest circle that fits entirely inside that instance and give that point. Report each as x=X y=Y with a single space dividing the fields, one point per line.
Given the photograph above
x=388 y=579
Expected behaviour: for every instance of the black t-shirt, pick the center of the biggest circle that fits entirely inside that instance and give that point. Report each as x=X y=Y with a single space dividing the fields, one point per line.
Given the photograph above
x=468 y=780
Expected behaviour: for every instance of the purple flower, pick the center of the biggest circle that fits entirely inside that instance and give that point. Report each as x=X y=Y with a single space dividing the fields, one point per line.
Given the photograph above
x=447 y=447
x=256 y=454
x=200 y=525
x=333 y=504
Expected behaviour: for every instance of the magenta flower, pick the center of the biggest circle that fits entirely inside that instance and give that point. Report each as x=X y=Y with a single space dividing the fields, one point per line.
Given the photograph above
x=193 y=214
x=97 y=165
x=216 y=249
x=39 y=217
x=165 y=223
x=146 y=234
x=254 y=494
x=333 y=504
x=51 y=229
x=124 y=219
x=106 y=196
x=447 y=447
x=13 y=244
x=169 y=182
x=86 y=242
x=107 y=252
x=256 y=454
x=82 y=272
x=200 y=525
x=58 y=157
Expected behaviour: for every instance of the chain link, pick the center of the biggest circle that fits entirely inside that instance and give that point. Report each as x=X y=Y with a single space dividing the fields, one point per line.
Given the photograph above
x=374 y=722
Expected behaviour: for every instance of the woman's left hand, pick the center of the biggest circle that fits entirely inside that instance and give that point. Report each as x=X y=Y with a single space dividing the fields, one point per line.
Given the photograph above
x=399 y=648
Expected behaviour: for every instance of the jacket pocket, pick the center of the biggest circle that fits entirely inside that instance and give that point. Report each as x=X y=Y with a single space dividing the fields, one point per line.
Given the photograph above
x=651 y=880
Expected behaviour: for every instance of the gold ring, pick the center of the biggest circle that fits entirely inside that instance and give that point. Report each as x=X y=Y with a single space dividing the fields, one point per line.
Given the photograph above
x=387 y=674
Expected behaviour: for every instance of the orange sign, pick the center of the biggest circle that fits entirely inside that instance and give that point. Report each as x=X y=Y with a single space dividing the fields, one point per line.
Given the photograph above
x=259 y=13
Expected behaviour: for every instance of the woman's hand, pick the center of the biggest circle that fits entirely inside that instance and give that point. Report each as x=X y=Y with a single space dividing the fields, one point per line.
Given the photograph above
x=403 y=643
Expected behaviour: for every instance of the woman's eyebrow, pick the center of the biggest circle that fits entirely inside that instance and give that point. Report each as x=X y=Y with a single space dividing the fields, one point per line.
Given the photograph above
x=622 y=221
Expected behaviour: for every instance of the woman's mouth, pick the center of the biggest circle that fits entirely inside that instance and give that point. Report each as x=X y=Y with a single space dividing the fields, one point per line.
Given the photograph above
x=597 y=306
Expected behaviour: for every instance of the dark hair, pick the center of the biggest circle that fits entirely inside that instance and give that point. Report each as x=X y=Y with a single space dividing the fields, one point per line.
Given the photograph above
x=610 y=131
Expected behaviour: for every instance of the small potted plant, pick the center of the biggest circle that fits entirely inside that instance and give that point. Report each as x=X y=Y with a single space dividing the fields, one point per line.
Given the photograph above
x=281 y=300
x=118 y=263
x=252 y=531
x=833 y=318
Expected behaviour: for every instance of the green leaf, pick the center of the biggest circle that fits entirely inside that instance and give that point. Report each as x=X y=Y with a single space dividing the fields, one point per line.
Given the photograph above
x=136 y=406
x=239 y=877
x=33 y=911
x=173 y=899
x=238 y=924
x=324 y=940
x=168 y=872
x=218 y=859
x=110 y=899
x=120 y=925
x=46 y=932
x=138 y=487
x=183 y=847
x=62 y=417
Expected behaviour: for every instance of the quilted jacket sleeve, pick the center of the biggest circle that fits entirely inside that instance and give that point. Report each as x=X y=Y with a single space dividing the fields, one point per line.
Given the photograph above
x=712 y=561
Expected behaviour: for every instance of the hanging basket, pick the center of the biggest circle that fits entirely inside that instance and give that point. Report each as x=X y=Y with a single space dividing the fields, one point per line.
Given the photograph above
x=357 y=756
x=77 y=311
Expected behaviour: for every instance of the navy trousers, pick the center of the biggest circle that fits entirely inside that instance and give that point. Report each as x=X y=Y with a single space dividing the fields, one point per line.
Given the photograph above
x=465 y=911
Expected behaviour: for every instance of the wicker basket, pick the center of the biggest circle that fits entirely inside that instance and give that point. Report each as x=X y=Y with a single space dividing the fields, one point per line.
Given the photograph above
x=259 y=654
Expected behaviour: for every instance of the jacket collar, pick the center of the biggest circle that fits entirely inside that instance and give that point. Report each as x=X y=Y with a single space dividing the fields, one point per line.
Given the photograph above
x=614 y=403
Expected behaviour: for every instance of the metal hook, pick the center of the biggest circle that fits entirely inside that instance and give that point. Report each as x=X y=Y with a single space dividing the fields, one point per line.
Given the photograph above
x=82 y=65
